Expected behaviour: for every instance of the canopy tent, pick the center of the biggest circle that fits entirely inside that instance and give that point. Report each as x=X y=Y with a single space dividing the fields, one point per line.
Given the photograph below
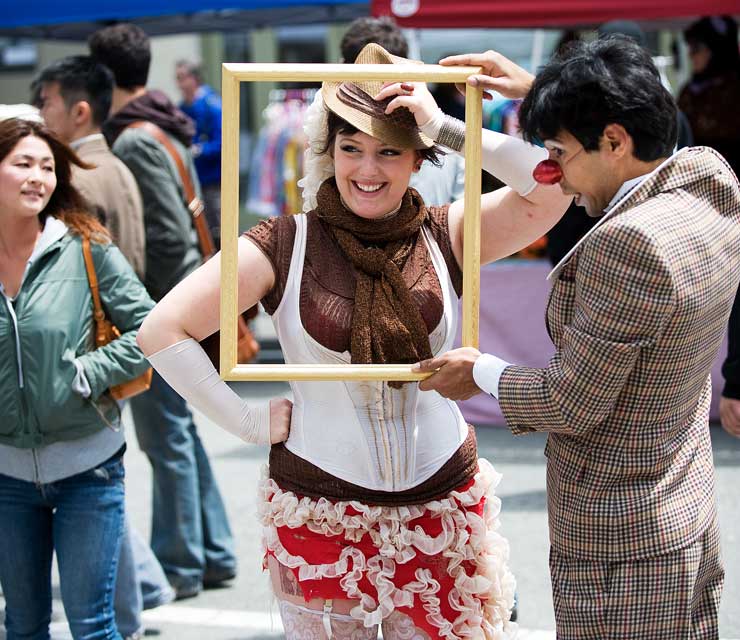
x=542 y=13
x=76 y=19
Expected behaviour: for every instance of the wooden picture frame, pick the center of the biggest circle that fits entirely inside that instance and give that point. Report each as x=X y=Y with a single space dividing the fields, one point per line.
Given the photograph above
x=232 y=76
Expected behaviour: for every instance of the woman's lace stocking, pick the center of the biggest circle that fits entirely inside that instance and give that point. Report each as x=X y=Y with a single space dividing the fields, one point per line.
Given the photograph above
x=301 y=623
x=399 y=626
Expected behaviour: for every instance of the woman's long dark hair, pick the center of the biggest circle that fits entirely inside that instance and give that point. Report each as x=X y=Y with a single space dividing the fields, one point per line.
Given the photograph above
x=66 y=203
x=719 y=35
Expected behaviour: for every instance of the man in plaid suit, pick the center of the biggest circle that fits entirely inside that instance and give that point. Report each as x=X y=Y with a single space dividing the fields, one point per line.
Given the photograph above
x=637 y=313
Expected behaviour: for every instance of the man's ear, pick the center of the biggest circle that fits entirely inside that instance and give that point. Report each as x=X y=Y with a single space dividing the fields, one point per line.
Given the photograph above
x=82 y=113
x=617 y=141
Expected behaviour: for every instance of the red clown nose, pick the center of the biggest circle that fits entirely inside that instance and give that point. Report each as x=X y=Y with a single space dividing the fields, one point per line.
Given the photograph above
x=547 y=172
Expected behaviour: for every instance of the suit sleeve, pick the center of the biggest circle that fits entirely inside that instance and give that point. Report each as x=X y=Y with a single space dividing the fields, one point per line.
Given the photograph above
x=623 y=297
x=731 y=366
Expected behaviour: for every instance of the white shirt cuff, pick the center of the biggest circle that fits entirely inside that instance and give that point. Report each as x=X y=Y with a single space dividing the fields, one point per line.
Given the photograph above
x=487 y=372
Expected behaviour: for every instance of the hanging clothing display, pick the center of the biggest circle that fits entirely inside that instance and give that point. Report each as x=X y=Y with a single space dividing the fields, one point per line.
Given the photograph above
x=277 y=159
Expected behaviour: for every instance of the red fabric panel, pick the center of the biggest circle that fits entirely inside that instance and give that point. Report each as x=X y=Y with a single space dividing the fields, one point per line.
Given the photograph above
x=541 y=13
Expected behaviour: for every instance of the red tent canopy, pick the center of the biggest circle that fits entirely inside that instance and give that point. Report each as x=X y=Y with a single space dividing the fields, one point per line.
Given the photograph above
x=541 y=13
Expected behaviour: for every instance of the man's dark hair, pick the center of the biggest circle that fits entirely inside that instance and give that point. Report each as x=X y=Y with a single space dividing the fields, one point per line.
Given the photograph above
x=80 y=78
x=627 y=28
x=383 y=31
x=719 y=35
x=125 y=50
x=608 y=81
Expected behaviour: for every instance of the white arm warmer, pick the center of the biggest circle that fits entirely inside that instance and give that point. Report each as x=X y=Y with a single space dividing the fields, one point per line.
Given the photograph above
x=188 y=370
x=510 y=159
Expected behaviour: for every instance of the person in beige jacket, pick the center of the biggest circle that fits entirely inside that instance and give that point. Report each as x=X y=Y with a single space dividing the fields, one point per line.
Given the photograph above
x=74 y=95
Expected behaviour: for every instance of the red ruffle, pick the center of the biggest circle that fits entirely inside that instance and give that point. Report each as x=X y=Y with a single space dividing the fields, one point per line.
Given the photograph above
x=317 y=549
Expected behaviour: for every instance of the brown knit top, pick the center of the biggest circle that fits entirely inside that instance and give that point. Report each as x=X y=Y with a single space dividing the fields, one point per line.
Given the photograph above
x=326 y=305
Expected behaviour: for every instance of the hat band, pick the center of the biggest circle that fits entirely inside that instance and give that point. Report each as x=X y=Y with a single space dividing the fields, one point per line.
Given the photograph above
x=353 y=96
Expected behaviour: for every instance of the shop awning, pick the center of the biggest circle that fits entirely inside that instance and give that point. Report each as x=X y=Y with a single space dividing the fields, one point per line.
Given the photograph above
x=542 y=13
x=76 y=19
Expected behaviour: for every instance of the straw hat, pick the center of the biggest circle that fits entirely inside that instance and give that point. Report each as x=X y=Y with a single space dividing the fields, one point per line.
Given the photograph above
x=355 y=103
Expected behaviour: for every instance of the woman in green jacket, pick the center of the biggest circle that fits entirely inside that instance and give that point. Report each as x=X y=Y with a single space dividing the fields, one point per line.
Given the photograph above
x=61 y=447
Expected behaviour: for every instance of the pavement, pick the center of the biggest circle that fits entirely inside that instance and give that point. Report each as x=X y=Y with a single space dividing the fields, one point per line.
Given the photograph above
x=247 y=611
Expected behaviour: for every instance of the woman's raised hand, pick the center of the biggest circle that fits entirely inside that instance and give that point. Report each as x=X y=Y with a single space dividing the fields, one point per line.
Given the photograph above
x=414 y=96
x=281 y=410
x=499 y=73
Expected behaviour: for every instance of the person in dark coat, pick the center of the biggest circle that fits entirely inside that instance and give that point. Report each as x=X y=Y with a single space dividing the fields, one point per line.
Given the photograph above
x=191 y=536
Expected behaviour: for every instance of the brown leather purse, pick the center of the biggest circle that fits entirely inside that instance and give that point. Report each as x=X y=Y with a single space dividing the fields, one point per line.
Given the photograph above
x=247 y=346
x=106 y=331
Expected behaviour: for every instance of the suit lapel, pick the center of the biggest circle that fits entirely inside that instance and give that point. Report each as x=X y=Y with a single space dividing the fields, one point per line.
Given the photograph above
x=561 y=302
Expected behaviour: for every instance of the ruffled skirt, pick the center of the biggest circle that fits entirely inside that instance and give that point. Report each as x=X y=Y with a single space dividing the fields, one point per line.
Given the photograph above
x=443 y=563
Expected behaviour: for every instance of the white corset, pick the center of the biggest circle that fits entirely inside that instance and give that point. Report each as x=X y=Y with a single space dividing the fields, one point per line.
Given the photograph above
x=366 y=432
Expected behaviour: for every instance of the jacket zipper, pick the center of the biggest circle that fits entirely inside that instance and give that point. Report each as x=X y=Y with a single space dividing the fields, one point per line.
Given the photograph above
x=14 y=318
x=36 y=471
x=21 y=385
x=34 y=452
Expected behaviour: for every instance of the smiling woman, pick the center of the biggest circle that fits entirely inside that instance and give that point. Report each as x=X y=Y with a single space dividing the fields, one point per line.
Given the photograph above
x=61 y=447
x=371 y=176
x=376 y=509
x=28 y=172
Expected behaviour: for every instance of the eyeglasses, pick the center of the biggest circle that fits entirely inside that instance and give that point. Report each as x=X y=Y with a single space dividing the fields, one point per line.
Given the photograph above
x=557 y=153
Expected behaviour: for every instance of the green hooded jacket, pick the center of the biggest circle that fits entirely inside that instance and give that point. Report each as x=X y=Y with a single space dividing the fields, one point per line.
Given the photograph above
x=49 y=325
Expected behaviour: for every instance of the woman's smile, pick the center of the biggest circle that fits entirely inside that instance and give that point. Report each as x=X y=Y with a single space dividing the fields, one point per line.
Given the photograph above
x=368 y=187
x=32 y=193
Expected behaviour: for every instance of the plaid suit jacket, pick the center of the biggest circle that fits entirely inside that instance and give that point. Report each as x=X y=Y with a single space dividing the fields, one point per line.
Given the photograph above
x=637 y=315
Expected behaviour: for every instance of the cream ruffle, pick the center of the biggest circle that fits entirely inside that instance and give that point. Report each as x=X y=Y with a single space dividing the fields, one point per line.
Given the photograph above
x=484 y=600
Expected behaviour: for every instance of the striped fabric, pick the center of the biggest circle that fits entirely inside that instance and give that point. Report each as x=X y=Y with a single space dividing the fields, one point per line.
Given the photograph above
x=637 y=316
x=674 y=596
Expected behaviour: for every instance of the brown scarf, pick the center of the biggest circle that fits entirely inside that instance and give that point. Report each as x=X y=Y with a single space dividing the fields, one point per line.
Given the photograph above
x=387 y=327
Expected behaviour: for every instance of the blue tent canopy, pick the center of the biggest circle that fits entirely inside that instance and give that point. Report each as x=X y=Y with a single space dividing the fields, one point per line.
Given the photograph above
x=76 y=19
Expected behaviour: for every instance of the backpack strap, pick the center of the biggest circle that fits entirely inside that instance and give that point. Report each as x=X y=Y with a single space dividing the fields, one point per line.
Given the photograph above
x=193 y=202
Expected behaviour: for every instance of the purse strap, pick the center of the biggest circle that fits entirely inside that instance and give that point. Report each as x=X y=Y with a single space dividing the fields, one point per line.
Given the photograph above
x=193 y=202
x=92 y=278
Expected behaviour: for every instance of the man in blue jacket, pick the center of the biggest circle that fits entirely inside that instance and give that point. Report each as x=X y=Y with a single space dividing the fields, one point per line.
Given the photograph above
x=203 y=105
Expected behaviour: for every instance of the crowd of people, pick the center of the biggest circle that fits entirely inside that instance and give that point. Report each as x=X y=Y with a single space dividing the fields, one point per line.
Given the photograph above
x=376 y=511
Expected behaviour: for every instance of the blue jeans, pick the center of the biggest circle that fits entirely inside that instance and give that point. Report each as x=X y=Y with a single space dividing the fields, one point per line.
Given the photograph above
x=141 y=583
x=81 y=519
x=191 y=536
